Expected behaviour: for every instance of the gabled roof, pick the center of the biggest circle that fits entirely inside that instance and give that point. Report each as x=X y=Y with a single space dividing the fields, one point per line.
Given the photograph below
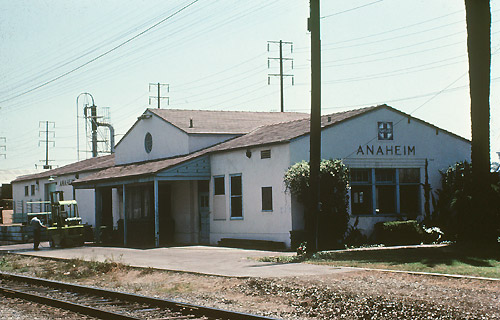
x=264 y=135
x=284 y=132
x=91 y=164
x=267 y=134
x=219 y=122
x=223 y=122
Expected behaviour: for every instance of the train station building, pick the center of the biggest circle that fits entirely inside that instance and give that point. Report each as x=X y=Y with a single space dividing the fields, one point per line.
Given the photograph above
x=191 y=176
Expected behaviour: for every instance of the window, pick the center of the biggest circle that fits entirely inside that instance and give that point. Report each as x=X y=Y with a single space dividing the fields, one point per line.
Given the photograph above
x=409 y=191
x=265 y=154
x=385 y=131
x=219 y=186
x=361 y=175
x=267 y=198
x=381 y=194
x=26 y=191
x=148 y=142
x=236 y=197
x=385 y=190
x=384 y=175
x=361 y=191
x=32 y=189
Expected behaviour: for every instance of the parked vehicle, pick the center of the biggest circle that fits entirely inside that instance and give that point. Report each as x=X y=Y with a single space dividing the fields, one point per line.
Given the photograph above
x=65 y=227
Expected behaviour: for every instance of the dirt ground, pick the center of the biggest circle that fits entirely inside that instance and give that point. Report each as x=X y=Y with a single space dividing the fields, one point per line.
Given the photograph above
x=352 y=295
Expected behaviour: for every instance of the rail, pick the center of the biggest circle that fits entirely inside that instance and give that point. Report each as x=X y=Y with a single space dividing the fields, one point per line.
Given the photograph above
x=108 y=304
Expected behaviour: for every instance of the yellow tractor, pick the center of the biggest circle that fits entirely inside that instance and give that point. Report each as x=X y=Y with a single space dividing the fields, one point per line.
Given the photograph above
x=66 y=228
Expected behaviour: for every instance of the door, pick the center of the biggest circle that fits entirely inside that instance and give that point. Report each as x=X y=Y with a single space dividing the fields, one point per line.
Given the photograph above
x=204 y=218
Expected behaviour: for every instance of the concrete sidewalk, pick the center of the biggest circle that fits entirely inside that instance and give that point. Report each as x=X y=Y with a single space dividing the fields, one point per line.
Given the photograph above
x=198 y=259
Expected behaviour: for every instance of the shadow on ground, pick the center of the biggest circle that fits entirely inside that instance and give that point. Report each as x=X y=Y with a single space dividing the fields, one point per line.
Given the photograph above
x=429 y=256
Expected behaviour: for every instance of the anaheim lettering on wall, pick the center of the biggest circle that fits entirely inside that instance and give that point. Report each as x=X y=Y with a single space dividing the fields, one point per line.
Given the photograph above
x=396 y=150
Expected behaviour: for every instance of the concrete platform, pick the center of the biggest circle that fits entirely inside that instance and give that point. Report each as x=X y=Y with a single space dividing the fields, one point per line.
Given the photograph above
x=197 y=259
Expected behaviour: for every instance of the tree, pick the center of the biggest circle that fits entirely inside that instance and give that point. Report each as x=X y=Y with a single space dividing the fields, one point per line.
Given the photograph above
x=333 y=217
x=478 y=17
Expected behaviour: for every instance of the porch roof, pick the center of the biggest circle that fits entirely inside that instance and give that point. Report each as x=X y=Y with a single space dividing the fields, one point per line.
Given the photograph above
x=147 y=171
x=88 y=165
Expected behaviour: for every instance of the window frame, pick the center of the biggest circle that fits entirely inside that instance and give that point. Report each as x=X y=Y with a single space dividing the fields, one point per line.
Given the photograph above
x=26 y=191
x=380 y=182
x=223 y=177
x=267 y=209
x=385 y=131
x=265 y=154
x=33 y=189
x=231 y=196
x=148 y=142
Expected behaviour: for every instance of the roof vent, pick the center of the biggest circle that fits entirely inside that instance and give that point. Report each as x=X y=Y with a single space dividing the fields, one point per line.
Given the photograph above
x=191 y=122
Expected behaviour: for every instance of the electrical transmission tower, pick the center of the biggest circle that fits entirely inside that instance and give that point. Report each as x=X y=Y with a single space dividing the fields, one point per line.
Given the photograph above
x=3 y=147
x=158 y=96
x=47 y=133
x=281 y=74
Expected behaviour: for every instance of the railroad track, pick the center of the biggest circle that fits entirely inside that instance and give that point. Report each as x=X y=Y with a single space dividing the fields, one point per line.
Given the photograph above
x=108 y=304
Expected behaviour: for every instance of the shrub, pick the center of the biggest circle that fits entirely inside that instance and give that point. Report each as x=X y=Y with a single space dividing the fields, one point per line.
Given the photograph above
x=454 y=211
x=333 y=179
x=399 y=232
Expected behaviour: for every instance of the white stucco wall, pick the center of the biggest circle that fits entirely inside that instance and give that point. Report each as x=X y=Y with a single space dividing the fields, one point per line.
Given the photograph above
x=85 y=198
x=255 y=173
x=342 y=141
x=168 y=141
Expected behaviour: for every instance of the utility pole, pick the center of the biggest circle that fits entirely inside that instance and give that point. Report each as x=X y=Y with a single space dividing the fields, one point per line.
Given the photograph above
x=315 y=129
x=93 y=126
x=47 y=132
x=478 y=18
x=159 y=96
x=3 y=147
x=93 y=119
x=281 y=75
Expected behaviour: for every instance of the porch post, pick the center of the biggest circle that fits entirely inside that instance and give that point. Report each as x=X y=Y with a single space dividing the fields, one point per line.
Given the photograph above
x=124 y=206
x=98 y=214
x=157 y=215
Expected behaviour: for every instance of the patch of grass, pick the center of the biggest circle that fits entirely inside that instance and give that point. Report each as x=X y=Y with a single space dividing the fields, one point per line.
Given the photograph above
x=71 y=269
x=282 y=259
x=450 y=259
x=177 y=287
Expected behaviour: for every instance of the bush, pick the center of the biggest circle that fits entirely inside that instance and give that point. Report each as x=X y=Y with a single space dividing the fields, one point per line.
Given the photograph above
x=296 y=238
x=457 y=215
x=399 y=232
x=333 y=179
x=354 y=237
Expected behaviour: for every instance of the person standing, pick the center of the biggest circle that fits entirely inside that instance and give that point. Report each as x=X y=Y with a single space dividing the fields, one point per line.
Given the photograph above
x=37 y=226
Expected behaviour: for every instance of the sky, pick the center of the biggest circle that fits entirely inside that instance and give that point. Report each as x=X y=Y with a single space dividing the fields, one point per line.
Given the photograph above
x=411 y=55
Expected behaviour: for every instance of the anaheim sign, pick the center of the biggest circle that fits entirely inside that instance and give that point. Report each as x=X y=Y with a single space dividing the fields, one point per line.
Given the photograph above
x=396 y=150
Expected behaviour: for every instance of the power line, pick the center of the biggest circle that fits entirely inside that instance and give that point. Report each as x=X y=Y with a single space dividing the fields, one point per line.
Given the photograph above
x=352 y=9
x=101 y=55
